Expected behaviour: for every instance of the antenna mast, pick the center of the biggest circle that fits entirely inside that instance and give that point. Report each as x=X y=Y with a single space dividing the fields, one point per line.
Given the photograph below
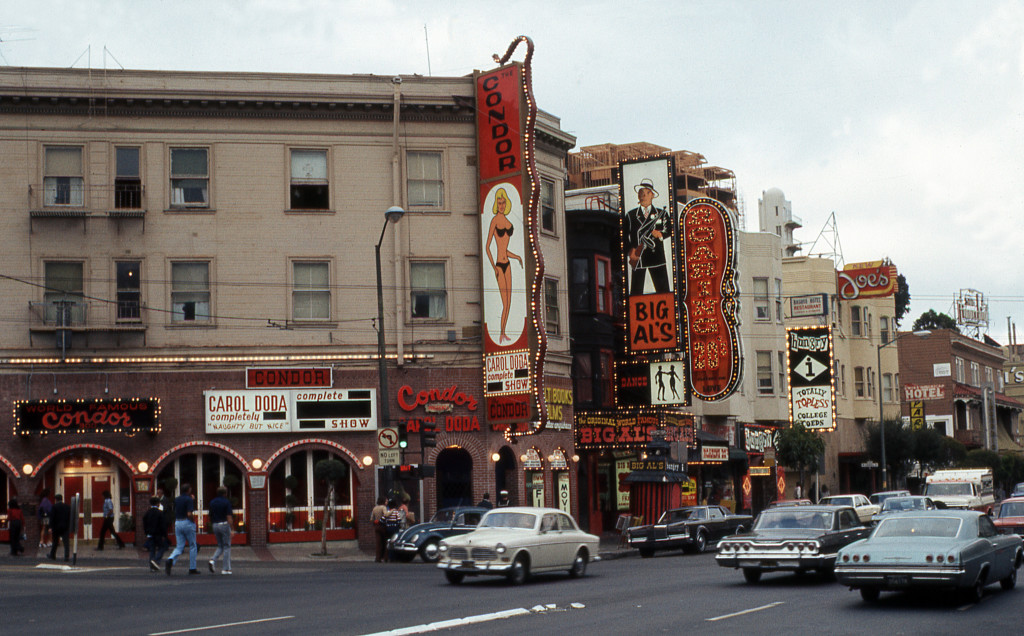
x=830 y=236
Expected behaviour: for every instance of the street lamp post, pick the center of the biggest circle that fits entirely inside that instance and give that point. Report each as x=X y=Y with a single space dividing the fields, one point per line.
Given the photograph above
x=392 y=215
x=881 y=414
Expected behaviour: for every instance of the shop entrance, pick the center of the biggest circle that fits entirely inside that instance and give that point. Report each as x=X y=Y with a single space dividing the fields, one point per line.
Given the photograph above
x=454 y=478
x=89 y=476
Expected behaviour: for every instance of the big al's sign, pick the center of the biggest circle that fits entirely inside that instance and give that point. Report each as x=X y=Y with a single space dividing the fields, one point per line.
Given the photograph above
x=513 y=329
x=708 y=274
x=811 y=387
x=598 y=430
x=87 y=416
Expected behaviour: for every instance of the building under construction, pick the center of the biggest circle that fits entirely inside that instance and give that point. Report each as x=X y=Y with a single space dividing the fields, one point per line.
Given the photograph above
x=598 y=165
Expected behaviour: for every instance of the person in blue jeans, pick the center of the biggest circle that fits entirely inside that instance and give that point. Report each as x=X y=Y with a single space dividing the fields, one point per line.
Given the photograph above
x=184 y=530
x=223 y=520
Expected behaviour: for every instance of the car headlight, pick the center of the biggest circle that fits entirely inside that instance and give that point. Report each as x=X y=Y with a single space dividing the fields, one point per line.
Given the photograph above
x=500 y=548
x=414 y=537
x=443 y=547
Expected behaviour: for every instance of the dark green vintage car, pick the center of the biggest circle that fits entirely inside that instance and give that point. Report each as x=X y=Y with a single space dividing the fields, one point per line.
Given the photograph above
x=692 y=529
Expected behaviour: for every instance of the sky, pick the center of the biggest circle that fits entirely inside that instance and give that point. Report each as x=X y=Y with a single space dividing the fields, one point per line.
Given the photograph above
x=903 y=119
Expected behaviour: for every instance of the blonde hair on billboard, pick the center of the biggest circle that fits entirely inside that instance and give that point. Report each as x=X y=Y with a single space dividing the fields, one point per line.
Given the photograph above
x=498 y=196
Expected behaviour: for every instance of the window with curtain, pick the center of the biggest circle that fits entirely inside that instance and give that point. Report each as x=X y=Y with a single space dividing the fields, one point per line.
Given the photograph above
x=190 y=178
x=858 y=381
x=425 y=181
x=959 y=363
x=778 y=299
x=429 y=291
x=547 y=205
x=64 y=291
x=552 y=318
x=764 y=372
x=855 y=324
x=580 y=285
x=311 y=290
x=603 y=284
x=761 y=311
x=190 y=292
x=63 y=178
x=883 y=329
x=887 y=387
x=128 y=180
x=309 y=187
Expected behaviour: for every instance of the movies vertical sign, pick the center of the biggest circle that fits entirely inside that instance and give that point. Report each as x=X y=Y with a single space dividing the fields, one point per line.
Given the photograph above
x=512 y=333
x=708 y=278
x=811 y=384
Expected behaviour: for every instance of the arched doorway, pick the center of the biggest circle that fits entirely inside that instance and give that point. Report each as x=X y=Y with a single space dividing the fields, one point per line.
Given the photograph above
x=205 y=472
x=505 y=474
x=87 y=473
x=454 y=478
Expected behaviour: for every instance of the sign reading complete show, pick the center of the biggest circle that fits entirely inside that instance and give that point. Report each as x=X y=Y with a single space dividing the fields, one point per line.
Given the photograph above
x=290 y=411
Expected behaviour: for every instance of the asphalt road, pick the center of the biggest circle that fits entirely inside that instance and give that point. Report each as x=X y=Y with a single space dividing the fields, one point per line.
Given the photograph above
x=669 y=594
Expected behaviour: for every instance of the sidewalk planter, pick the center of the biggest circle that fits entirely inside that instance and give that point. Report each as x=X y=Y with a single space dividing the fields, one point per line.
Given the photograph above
x=306 y=536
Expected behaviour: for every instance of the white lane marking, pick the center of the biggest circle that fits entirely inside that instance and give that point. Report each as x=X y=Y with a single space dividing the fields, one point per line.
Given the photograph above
x=221 y=626
x=746 y=611
x=470 y=620
x=76 y=569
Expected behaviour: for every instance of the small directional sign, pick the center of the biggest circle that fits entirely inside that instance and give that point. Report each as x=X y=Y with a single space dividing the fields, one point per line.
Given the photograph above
x=917 y=415
x=388 y=453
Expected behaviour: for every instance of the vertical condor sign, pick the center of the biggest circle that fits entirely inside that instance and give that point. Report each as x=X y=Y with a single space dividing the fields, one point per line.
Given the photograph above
x=708 y=279
x=512 y=333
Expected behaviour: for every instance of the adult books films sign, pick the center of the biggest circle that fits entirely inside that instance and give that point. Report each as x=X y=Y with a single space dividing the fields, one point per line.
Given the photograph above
x=811 y=385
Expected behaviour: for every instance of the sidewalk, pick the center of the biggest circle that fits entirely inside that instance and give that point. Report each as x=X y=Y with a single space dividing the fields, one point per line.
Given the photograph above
x=283 y=552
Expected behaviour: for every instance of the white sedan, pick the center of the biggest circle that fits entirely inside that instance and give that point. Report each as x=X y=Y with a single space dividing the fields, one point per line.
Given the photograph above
x=517 y=542
x=865 y=509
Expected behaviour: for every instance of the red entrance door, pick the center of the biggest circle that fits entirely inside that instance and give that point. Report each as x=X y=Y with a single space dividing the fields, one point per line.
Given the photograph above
x=99 y=484
x=74 y=485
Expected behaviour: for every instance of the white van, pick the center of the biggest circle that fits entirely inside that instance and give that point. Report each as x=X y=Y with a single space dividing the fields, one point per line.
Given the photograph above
x=964 y=488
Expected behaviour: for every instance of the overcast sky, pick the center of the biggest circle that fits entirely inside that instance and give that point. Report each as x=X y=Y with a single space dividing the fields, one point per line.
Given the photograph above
x=903 y=118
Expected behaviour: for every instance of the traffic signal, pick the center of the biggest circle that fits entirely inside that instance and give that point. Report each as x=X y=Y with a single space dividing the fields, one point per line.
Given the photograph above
x=428 y=436
x=403 y=435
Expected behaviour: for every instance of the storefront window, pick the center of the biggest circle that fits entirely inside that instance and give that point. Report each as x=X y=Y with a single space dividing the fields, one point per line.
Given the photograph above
x=296 y=496
x=205 y=473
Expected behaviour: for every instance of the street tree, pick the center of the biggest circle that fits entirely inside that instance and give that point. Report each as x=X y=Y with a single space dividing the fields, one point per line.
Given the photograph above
x=901 y=298
x=330 y=471
x=932 y=319
x=932 y=450
x=800 y=448
x=899 y=448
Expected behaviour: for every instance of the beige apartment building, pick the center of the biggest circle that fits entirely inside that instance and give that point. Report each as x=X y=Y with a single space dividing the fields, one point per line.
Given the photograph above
x=178 y=245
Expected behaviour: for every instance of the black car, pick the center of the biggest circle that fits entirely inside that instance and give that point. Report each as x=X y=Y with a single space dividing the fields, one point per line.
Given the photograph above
x=423 y=538
x=796 y=538
x=690 y=529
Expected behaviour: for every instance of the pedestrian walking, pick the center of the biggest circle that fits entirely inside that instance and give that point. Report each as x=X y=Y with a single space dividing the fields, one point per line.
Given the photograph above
x=394 y=520
x=60 y=526
x=108 y=522
x=15 y=526
x=156 y=533
x=167 y=506
x=184 y=530
x=503 y=501
x=486 y=502
x=43 y=516
x=223 y=519
x=380 y=536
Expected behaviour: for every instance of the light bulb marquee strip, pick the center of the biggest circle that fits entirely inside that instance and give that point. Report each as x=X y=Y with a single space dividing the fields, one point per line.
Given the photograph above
x=327 y=357
x=202 y=444
x=506 y=139
x=10 y=466
x=306 y=442
x=76 y=447
x=812 y=383
x=62 y=417
x=708 y=277
x=602 y=430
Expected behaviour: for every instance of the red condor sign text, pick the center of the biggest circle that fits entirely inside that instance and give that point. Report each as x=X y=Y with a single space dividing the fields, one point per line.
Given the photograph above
x=408 y=402
x=96 y=416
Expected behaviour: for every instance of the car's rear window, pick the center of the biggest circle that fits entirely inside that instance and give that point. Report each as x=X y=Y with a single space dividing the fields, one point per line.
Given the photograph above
x=508 y=520
x=793 y=519
x=1012 y=509
x=918 y=527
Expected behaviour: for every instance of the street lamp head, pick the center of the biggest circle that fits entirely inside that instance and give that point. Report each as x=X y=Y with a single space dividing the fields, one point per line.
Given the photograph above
x=394 y=213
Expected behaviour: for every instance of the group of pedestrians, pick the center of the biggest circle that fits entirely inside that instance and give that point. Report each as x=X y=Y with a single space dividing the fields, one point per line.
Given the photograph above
x=389 y=518
x=183 y=512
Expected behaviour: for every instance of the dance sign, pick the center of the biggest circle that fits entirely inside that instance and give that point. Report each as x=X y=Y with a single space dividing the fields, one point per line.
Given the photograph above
x=512 y=329
x=811 y=385
x=644 y=384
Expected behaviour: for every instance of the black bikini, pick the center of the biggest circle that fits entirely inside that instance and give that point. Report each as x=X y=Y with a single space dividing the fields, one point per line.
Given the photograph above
x=503 y=265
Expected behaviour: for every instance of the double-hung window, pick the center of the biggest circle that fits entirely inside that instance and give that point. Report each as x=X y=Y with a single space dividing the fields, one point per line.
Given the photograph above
x=551 y=314
x=128 y=180
x=858 y=381
x=855 y=324
x=778 y=300
x=547 y=205
x=883 y=329
x=579 y=286
x=603 y=284
x=428 y=289
x=887 y=386
x=425 y=182
x=309 y=187
x=764 y=372
x=190 y=178
x=129 y=295
x=64 y=291
x=311 y=290
x=761 y=310
x=190 y=291
x=63 y=181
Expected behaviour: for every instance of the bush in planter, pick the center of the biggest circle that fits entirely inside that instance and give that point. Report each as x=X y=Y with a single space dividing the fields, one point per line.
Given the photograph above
x=125 y=523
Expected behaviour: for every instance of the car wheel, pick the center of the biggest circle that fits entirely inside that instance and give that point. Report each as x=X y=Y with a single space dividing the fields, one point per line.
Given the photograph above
x=869 y=594
x=974 y=593
x=519 y=571
x=454 y=577
x=579 y=565
x=701 y=542
x=429 y=552
x=1010 y=581
x=646 y=553
x=751 y=575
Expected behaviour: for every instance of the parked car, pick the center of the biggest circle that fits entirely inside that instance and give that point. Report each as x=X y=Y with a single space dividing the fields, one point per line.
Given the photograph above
x=865 y=509
x=1009 y=516
x=904 y=504
x=879 y=498
x=790 y=502
x=423 y=538
x=690 y=529
x=957 y=549
x=793 y=538
x=518 y=542
x=1018 y=490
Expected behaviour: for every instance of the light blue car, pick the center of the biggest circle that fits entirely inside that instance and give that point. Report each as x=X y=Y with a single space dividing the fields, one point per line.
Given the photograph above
x=955 y=549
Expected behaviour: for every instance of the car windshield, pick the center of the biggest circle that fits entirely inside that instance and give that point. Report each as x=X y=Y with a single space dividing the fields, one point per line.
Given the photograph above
x=522 y=520
x=901 y=526
x=895 y=504
x=675 y=516
x=444 y=516
x=838 y=501
x=792 y=519
x=951 y=488
x=1012 y=509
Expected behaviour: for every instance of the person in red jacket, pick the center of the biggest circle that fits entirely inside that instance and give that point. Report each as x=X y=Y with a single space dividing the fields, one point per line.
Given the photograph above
x=15 y=526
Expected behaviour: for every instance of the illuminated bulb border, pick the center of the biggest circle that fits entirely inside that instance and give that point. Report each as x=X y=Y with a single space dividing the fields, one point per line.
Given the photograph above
x=831 y=375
